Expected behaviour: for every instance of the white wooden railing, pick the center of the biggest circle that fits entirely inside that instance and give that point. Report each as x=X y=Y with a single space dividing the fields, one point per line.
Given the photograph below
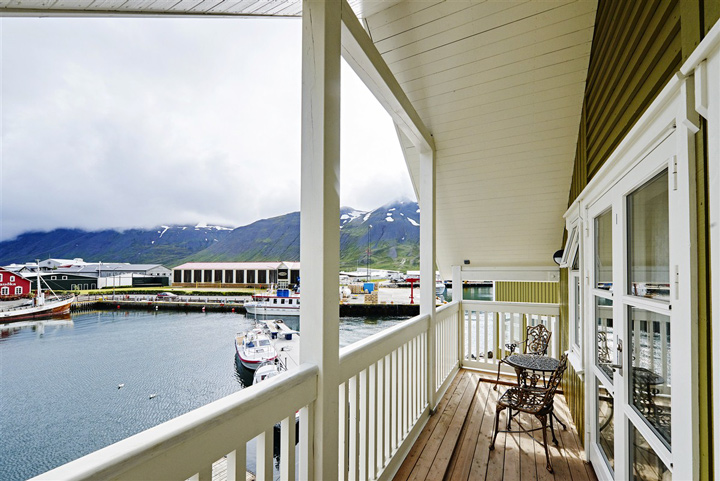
x=488 y=326
x=187 y=447
x=383 y=394
x=385 y=400
x=447 y=346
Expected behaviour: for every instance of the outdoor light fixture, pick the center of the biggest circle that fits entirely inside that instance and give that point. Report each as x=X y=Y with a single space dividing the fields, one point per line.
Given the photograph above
x=466 y=262
x=557 y=257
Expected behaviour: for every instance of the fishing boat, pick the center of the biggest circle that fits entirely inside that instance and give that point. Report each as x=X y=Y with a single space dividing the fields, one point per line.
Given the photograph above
x=254 y=348
x=38 y=307
x=278 y=303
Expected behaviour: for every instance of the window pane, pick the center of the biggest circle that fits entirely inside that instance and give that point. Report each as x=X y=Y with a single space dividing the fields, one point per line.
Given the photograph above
x=646 y=465
x=649 y=238
x=604 y=335
x=650 y=369
x=603 y=251
x=606 y=425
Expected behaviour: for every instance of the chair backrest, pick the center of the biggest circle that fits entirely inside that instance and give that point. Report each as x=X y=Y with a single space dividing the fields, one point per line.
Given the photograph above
x=537 y=340
x=555 y=380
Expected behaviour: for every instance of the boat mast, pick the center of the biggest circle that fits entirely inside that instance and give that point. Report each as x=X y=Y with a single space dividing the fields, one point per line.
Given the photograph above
x=39 y=299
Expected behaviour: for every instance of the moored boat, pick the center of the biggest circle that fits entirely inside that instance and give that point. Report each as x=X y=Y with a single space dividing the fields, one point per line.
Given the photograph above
x=254 y=348
x=267 y=370
x=280 y=303
x=38 y=309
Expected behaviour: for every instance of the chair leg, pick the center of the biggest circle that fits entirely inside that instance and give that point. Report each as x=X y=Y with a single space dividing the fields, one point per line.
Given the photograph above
x=543 y=421
x=498 y=376
x=497 y=421
x=552 y=429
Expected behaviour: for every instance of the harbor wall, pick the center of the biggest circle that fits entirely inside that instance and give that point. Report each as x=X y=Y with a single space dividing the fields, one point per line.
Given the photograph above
x=346 y=310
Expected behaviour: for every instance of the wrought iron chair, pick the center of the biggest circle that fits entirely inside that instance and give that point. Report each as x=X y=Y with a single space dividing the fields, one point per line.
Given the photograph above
x=537 y=340
x=531 y=400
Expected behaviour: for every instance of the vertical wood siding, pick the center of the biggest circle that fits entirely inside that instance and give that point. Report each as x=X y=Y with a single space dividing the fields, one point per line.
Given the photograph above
x=546 y=292
x=637 y=48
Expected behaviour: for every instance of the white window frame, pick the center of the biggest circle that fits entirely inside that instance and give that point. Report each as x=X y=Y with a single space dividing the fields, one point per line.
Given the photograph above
x=5 y=291
x=18 y=290
x=12 y=278
x=572 y=249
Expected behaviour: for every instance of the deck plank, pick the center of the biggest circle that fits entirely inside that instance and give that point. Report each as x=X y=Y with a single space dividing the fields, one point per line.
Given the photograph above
x=452 y=396
x=454 y=445
x=573 y=449
x=449 y=443
x=481 y=413
x=482 y=457
x=443 y=428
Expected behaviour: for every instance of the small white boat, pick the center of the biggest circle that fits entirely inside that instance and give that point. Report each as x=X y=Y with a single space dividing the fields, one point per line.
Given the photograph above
x=439 y=288
x=266 y=371
x=281 y=303
x=254 y=348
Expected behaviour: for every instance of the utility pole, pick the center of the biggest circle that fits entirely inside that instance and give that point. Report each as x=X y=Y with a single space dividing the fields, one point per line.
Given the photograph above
x=367 y=255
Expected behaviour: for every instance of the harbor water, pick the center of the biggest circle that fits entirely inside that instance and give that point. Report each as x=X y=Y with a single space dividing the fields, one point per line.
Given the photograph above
x=70 y=388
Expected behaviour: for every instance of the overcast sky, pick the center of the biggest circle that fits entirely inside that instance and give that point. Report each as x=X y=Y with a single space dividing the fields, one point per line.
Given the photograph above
x=117 y=123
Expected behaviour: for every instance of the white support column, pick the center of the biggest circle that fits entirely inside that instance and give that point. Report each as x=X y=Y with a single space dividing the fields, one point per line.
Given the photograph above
x=319 y=217
x=427 y=262
x=457 y=295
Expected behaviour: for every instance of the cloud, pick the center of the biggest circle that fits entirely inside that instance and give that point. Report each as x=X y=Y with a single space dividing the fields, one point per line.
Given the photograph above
x=141 y=122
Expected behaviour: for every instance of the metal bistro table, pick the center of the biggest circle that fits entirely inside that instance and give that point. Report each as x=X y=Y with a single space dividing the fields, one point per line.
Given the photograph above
x=530 y=369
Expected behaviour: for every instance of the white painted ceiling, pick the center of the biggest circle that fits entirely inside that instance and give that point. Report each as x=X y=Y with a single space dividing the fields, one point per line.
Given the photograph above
x=500 y=86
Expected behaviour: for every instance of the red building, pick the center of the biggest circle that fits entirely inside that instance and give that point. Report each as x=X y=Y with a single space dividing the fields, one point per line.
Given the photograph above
x=13 y=285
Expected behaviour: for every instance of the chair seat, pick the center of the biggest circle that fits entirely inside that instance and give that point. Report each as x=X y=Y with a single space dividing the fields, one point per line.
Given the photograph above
x=528 y=400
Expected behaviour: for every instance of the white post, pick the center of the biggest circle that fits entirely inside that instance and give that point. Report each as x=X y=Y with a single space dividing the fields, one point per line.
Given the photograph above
x=427 y=262
x=457 y=295
x=319 y=223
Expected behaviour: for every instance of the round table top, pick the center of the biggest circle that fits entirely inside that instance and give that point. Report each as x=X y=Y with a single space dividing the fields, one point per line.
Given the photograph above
x=533 y=362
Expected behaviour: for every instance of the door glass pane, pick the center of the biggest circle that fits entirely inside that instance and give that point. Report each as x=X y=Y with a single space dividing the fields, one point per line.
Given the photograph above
x=650 y=370
x=605 y=346
x=603 y=251
x=606 y=425
x=646 y=465
x=649 y=239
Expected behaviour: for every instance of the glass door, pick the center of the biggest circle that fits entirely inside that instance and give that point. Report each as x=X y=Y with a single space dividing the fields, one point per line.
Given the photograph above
x=630 y=379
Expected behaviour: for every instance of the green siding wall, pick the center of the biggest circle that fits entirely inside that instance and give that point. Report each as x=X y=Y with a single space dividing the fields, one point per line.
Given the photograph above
x=637 y=47
x=526 y=292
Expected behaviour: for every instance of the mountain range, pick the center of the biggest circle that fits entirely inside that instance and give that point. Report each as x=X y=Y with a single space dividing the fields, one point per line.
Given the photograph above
x=390 y=234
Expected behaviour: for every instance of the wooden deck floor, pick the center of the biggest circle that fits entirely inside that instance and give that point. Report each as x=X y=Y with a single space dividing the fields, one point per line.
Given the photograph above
x=454 y=445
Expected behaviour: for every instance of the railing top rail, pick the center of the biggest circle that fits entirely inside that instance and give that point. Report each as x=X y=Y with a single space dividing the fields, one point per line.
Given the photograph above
x=453 y=306
x=357 y=356
x=515 y=307
x=290 y=389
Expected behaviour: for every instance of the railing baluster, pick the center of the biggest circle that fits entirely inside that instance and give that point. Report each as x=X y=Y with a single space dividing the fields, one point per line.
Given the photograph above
x=387 y=425
x=307 y=435
x=381 y=417
x=354 y=438
x=344 y=429
x=396 y=399
x=205 y=474
x=363 y=427
x=236 y=464
x=372 y=420
x=287 y=448
x=264 y=464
